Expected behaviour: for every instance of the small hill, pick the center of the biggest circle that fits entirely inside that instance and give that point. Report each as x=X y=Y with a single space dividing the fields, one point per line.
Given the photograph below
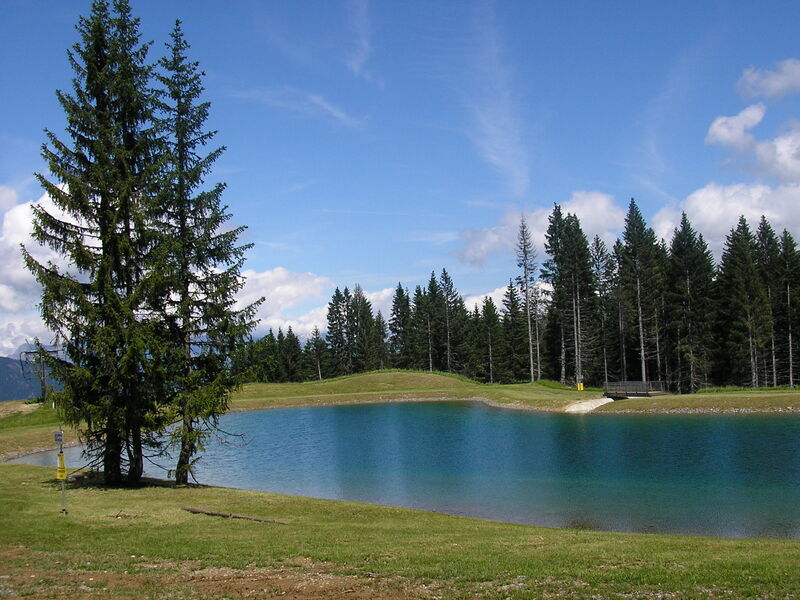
x=388 y=385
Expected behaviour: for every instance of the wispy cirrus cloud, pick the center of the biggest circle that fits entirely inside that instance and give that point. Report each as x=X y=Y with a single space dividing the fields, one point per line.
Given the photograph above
x=300 y=102
x=361 y=26
x=490 y=103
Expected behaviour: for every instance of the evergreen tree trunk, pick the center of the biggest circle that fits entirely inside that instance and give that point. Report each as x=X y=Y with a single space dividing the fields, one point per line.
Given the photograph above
x=789 y=332
x=187 y=450
x=752 y=353
x=430 y=344
x=447 y=340
x=623 y=359
x=530 y=333
x=538 y=353
x=658 y=351
x=491 y=360
x=641 y=328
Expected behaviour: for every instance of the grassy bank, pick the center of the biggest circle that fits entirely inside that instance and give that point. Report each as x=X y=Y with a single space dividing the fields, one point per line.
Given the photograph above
x=718 y=400
x=138 y=543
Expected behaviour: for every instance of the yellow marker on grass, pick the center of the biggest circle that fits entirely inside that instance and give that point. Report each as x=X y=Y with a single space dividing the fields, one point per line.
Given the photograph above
x=61 y=470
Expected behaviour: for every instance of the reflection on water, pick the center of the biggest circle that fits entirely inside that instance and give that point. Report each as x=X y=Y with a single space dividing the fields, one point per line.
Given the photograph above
x=733 y=476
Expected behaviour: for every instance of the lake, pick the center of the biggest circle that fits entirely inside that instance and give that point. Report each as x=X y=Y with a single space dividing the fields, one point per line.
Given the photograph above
x=719 y=475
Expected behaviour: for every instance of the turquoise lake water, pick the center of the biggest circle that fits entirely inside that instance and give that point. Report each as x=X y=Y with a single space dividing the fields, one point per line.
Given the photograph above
x=729 y=476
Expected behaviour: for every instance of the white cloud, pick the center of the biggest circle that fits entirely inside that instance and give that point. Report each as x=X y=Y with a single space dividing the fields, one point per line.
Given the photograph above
x=300 y=102
x=317 y=317
x=19 y=291
x=714 y=209
x=732 y=132
x=8 y=198
x=598 y=212
x=381 y=301
x=771 y=84
x=283 y=290
x=780 y=156
x=302 y=326
x=16 y=330
x=479 y=243
x=477 y=300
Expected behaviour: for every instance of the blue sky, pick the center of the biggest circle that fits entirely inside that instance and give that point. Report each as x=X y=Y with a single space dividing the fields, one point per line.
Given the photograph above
x=372 y=142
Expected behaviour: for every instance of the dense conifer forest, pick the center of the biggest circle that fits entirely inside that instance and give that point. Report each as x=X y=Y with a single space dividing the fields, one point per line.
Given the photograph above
x=645 y=310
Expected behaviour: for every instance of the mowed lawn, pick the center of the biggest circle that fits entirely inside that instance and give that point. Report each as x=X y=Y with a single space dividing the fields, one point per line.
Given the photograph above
x=138 y=543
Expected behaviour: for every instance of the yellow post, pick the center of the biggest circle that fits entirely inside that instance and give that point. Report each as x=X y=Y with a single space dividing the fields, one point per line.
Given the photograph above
x=580 y=387
x=61 y=470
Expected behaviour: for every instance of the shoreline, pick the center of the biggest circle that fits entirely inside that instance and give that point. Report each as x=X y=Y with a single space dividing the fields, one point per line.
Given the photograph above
x=572 y=409
x=561 y=410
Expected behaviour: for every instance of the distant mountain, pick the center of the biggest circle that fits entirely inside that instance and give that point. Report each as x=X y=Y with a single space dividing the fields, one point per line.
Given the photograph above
x=16 y=383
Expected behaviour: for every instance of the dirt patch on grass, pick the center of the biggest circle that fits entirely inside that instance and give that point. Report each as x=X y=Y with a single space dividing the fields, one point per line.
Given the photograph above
x=16 y=406
x=34 y=575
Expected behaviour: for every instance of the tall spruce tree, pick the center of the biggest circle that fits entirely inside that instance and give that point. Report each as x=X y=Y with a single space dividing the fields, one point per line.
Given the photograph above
x=621 y=315
x=526 y=261
x=576 y=276
x=315 y=355
x=362 y=325
x=400 y=336
x=338 y=337
x=103 y=182
x=493 y=342
x=557 y=310
x=436 y=309
x=639 y=274
x=380 y=349
x=603 y=274
x=768 y=258
x=689 y=280
x=197 y=263
x=789 y=278
x=516 y=348
x=421 y=333
x=743 y=314
x=454 y=315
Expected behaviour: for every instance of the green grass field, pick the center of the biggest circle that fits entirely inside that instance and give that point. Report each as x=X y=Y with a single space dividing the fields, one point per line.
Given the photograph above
x=138 y=543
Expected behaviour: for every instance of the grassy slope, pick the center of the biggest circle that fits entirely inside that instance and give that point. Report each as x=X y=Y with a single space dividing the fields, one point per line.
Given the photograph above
x=139 y=543
x=27 y=428
x=390 y=385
